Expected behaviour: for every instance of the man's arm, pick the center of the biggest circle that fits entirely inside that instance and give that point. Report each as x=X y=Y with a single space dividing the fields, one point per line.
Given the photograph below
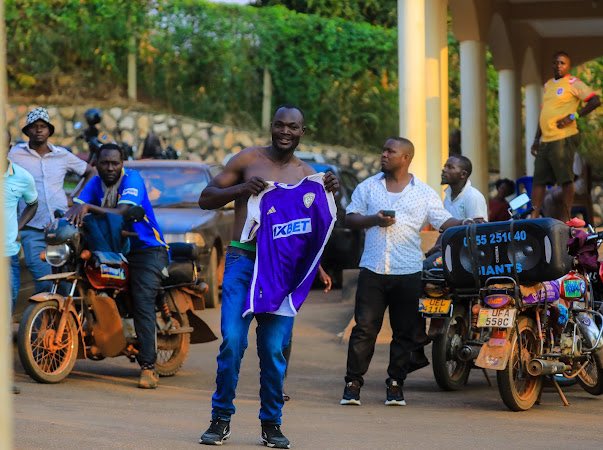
x=28 y=213
x=536 y=143
x=452 y=222
x=78 y=211
x=227 y=186
x=87 y=176
x=358 y=221
x=591 y=104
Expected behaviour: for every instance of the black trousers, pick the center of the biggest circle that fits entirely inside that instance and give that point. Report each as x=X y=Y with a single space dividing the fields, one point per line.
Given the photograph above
x=146 y=266
x=374 y=294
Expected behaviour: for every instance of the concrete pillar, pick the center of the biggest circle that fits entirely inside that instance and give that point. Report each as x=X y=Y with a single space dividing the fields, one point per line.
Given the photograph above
x=509 y=133
x=533 y=100
x=473 y=110
x=411 y=73
x=436 y=76
x=6 y=352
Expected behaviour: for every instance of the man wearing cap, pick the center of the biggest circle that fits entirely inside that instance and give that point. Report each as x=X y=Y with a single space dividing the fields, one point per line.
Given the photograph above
x=48 y=164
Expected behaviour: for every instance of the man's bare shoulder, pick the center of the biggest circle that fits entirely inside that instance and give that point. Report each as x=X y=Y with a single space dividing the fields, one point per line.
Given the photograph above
x=248 y=155
x=307 y=168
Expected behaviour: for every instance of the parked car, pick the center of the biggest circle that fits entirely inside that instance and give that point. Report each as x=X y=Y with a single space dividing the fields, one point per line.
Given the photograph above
x=173 y=187
x=344 y=249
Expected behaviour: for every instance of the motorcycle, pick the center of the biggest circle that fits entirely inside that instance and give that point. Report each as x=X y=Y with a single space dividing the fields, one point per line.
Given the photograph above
x=537 y=302
x=93 y=320
x=452 y=350
x=451 y=310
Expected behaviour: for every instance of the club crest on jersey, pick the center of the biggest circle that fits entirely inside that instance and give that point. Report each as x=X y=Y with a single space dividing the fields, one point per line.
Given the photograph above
x=560 y=91
x=298 y=226
x=309 y=199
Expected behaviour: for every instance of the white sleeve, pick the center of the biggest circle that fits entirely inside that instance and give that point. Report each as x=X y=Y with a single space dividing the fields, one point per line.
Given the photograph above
x=253 y=220
x=476 y=206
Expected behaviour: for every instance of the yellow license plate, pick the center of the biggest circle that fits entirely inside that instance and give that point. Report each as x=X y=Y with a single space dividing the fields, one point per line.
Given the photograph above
x=497 y=318
x=434 y=305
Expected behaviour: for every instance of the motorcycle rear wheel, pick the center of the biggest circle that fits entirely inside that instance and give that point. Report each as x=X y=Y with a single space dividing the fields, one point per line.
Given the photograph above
x=449 y=371
x=520 y=393
x=591 y=379
x=172 y=350
x=44 y=360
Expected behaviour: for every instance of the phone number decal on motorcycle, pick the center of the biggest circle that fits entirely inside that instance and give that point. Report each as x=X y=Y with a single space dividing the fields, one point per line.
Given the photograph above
x=497 y=238
x=498 y=318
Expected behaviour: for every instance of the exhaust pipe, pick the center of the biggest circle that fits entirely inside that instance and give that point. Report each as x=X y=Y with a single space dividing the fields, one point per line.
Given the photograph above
x=538 y=367
x=468 y=352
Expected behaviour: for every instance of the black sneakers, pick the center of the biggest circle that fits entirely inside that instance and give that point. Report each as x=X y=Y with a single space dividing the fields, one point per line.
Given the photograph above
x=218 y=431
x=394 y=394
x=273 y=437
x=351 y=393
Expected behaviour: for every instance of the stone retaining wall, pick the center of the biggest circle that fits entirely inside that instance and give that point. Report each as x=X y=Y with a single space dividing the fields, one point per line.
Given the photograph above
x=196 y=140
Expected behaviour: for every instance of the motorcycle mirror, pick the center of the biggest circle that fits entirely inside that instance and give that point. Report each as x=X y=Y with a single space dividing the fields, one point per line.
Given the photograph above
x=519 y=201
x=77 y=126
x=134 y=214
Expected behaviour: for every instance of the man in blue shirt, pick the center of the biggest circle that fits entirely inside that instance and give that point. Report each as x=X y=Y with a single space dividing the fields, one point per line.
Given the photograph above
x=115 y=190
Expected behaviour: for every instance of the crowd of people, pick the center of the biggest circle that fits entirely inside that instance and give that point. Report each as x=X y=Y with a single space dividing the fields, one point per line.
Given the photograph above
x=393 y=207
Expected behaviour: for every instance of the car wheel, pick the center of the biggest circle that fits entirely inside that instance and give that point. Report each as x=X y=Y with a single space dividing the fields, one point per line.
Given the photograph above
x=212 y=298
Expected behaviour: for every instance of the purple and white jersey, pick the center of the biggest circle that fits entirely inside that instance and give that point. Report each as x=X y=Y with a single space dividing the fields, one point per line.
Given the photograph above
x=292 y=224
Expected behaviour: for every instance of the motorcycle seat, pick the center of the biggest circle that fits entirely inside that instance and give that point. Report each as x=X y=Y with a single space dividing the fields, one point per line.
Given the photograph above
x=183 y=250
x=180 y=272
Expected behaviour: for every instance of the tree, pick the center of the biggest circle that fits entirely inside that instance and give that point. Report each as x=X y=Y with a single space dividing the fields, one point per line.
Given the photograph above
x=375 y=12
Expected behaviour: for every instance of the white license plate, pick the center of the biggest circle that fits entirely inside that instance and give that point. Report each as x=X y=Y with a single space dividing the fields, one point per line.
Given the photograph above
x=497 y=318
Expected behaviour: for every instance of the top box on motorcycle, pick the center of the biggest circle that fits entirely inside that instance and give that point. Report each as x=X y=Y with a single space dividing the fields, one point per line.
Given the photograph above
x=528 y=250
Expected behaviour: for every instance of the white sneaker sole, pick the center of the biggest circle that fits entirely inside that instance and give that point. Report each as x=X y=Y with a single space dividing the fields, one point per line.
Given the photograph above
x=395 y=403
x=349 y=402
x=270 y=445
x=215 y=442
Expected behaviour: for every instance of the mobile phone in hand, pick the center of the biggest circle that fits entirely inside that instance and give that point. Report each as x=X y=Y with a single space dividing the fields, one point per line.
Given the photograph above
x=389 y=213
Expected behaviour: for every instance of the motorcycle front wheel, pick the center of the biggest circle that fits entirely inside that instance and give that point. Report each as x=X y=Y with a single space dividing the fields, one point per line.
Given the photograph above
x=172 y=350
x=449 y=371
x=591 y=379
x=518 y=389
x=45 y=359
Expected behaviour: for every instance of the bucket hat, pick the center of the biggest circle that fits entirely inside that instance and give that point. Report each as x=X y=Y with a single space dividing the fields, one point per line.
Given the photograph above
x=35 y=115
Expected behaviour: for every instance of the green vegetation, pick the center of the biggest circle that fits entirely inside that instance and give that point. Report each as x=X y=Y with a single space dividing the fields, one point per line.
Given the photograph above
x=207 y=61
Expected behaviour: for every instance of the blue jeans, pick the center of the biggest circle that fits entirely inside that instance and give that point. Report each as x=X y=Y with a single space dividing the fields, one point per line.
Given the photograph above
x=33 y=243
x=273 y=334
x=15 y=280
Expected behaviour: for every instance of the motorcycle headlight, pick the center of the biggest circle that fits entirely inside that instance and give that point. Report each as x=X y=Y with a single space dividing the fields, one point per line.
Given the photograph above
x=57 y=255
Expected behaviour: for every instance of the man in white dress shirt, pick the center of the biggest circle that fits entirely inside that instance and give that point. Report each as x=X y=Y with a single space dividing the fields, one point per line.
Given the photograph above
x=393 y=206
x=48 y=164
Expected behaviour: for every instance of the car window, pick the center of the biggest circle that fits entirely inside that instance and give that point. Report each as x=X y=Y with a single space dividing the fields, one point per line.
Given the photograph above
x=177 y=187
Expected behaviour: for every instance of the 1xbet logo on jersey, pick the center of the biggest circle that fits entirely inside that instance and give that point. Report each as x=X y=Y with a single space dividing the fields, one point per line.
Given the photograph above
x=299 y=226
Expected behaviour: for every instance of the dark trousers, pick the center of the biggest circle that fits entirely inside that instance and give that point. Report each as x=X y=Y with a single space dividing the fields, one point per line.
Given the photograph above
x=374 y=294
x=146 y=266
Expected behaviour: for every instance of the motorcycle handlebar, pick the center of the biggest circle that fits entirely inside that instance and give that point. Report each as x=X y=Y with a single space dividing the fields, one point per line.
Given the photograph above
x=595 y=236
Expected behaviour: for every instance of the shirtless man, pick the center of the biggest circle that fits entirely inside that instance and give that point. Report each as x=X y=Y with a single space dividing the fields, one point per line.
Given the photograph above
x=243 y=176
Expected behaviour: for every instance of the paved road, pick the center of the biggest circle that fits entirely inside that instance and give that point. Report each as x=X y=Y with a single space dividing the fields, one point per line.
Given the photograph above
x=99 y=406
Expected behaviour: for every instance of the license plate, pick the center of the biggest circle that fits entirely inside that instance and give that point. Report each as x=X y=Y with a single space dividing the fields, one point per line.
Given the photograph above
x=434 y=305
x=499 y=318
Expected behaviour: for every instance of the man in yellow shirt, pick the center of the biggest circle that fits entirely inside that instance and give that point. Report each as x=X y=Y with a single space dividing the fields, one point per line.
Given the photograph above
x=557 y=134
